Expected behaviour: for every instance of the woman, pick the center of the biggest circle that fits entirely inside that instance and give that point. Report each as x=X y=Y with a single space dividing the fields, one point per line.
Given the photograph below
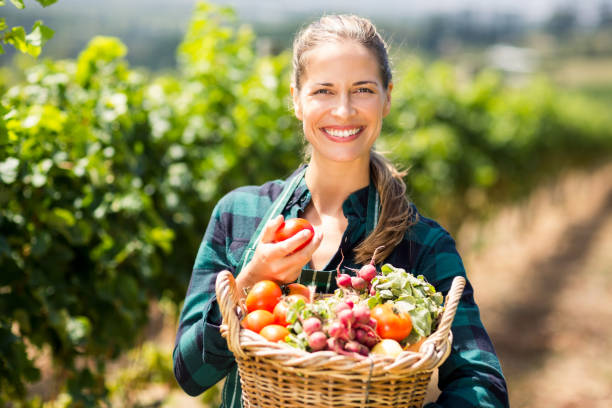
x=354 y=198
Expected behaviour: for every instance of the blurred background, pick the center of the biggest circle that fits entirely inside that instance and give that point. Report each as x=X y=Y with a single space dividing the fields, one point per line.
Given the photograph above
x=135 y=117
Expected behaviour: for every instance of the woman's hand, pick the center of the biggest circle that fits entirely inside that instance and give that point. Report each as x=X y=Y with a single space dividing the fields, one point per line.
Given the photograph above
x=278 y=261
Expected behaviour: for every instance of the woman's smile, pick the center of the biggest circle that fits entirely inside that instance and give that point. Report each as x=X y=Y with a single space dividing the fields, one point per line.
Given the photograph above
x=343 y=134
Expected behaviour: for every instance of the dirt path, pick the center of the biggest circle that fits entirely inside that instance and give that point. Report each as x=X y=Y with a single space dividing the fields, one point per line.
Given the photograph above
x=543 y=280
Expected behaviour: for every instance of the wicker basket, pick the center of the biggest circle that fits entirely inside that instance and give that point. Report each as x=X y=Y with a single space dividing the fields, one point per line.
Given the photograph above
x=277 y=375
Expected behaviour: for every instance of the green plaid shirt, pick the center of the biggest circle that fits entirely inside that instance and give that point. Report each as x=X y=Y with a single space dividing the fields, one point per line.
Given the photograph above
x=470 y=377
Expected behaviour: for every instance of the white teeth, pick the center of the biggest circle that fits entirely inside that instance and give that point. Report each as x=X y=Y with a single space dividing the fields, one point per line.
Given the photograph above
x=342 y=133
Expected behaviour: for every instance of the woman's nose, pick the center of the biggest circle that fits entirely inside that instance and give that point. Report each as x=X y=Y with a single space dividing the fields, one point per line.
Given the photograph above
x=344 y=108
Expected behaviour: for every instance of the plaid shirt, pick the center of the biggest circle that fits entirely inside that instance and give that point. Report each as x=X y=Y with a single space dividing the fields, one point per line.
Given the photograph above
x=470 y=377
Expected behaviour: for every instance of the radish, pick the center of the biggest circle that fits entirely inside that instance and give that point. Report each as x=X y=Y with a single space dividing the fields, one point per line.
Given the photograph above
x=355 y=347
x=336 y=345
x=358 y=283
x=343 y=280
x=311 y=325
x=317 y=341
x=368 y=272
x=366 y=335
x=362 y=314
x=336 y=329
x=342 y=306
x=346 y=317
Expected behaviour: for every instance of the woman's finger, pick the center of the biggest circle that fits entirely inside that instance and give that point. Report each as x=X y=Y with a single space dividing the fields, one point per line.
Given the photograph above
x=270 y=229
x=290 y=245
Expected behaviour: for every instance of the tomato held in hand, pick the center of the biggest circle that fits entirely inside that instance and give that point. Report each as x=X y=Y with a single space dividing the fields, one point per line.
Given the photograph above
x=391 y=325
x=264 y=295
x=257 y=320
x=291 y=227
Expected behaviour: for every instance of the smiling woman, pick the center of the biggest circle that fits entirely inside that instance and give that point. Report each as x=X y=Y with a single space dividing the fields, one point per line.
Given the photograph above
x=355 y=200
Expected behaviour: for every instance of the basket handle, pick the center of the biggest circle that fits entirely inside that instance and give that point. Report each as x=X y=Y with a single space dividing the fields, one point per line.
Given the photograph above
x=227 y=297
x=450 y=308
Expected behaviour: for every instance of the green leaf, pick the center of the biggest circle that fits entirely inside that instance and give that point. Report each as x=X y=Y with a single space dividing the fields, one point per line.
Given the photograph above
x=421 y=321
x=60 y=218
x=162 y=237
x=16 y=36
x=46 y=3
x=2 y=23
x=40 y=35
x=18 y=3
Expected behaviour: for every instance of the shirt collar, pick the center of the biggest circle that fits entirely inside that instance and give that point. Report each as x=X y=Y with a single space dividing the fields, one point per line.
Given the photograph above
x=355 y=207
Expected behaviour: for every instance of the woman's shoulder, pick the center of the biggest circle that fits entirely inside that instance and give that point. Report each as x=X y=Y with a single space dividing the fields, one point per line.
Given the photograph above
x=249 y=198
x=253 y=198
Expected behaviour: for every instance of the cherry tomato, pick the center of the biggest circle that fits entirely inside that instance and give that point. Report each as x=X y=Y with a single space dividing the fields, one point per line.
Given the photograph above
x=280 y=313
x=295 y=297
x=257 y=320
x=291 y=227
x=299 y=289
x=274 y=332
x=264 y=295
x=391 y=325
x=282 y=307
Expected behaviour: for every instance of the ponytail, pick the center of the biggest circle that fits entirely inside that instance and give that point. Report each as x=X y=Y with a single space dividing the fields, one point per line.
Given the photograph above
x=396 y=214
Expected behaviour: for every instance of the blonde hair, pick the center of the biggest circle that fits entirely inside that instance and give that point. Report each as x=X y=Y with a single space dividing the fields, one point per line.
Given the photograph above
x=396 y=213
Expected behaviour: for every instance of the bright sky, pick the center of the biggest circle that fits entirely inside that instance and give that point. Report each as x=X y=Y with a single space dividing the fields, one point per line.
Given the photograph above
x=531 y=9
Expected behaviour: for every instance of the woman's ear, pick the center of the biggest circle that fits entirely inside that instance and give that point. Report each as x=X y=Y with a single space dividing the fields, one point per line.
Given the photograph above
x=387 y=103
x=297 y=107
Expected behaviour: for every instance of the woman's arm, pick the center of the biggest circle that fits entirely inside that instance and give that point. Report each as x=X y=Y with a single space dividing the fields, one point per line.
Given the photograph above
x=201 y=357
x=471 y=376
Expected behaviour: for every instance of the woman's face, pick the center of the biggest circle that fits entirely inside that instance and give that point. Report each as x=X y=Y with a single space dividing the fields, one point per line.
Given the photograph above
x=342 y=101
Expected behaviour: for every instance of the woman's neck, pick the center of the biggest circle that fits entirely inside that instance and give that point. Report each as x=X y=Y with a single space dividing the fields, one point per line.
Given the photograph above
x=330 y=183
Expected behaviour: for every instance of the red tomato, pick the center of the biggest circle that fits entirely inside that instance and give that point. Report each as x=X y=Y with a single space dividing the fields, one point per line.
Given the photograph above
x=274 y=332
x=299 y=289
x=264 y=295
x=282 y=307
x=280 y=313
x=291 y=227
x=257 y=320
x=391 y=325
x=295 y=297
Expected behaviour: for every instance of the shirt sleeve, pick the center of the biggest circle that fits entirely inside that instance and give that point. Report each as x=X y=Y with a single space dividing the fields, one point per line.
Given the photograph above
x=471 y=376
x=201 y=357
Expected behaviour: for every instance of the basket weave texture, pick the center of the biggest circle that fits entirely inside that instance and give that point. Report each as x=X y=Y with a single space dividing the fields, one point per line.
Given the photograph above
x=277 y=375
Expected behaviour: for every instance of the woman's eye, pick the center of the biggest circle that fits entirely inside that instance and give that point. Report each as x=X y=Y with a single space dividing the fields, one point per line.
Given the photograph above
x=364 y=90
x=321 y=91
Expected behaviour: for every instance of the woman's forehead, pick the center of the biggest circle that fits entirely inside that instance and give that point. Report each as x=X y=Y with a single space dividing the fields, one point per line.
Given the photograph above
x=340 y=61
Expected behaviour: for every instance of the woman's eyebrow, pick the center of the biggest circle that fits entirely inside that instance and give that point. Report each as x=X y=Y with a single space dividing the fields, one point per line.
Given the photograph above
x=354 y=84
x=366 y=83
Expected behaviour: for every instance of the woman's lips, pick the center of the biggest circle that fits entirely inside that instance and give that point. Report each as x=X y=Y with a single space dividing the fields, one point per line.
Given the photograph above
x=343 y=134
